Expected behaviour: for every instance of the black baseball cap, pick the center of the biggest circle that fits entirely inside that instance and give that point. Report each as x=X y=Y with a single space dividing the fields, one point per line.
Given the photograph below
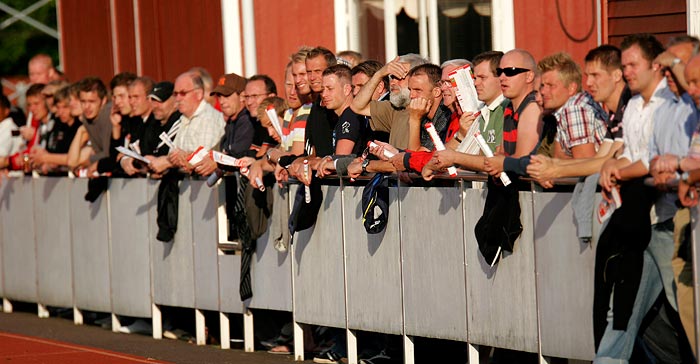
x=162 y=91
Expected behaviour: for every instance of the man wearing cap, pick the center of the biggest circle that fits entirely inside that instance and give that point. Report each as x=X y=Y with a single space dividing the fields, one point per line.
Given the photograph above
x=166 y=119
x=239 y=129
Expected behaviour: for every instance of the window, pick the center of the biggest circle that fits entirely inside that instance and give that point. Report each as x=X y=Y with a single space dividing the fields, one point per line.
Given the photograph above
x=464 y=28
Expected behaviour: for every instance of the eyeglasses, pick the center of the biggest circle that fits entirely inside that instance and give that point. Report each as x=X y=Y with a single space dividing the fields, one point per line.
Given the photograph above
x=511 y=71
x=444 y=83
x=183 y=93
x=392 y=77
x=253 y=96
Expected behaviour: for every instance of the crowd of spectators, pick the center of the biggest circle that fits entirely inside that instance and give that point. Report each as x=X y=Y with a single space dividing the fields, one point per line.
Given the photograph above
x=539 y=118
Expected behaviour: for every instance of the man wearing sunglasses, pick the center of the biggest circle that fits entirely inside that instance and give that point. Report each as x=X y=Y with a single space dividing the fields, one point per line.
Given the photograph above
x=521 y=118
x=521 y=125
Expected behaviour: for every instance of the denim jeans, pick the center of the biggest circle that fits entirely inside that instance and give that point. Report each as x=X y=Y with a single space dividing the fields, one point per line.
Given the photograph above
x=657 y=274
x=661 y=248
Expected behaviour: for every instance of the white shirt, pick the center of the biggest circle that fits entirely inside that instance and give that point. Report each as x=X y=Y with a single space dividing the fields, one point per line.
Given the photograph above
x=9 y=144
x=205 y=128
x=638 y=123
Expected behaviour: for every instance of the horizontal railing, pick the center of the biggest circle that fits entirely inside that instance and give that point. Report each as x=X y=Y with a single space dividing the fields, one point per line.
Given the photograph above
x=423 y=276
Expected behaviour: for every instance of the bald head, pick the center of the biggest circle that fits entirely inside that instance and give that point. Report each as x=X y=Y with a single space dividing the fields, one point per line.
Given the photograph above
x=41 y=69
x=692 y=78
x=518 y=69
x=188 y=92
x=523 y=58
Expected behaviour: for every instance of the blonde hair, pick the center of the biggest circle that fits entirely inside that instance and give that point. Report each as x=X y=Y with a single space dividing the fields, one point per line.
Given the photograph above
x=300 y=55
x=569 y=71
x=280 y=107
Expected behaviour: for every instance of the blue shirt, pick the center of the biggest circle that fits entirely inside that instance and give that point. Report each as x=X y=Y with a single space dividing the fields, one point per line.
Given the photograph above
x=675 y=120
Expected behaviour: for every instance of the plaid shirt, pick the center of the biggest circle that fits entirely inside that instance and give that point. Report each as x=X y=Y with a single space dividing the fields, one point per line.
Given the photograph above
x=440 y=121
x=580 y=120
x=205 y=128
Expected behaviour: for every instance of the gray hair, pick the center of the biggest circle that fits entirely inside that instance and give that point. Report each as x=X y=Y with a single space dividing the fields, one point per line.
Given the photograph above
x=459 y=62
x=413 y=59
x=685 y=38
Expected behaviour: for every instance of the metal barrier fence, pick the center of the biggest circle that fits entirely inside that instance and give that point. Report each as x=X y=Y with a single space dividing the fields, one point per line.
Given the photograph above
x=423 y=276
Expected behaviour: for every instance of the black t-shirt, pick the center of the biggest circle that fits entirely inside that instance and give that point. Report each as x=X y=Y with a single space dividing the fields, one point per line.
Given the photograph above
x=319 y=130
x=151 y=136
x=134 y=128
x=61 y=136
x=353 y=127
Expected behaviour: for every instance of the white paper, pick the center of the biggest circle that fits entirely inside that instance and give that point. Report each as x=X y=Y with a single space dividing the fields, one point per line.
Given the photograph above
x=130 y=153
x=439 y=146
x=274 y=119
x=307 y=190
x=222 y=158
x=387 y=153
x=469 y=144
x=197 y=155
x=463 y=85
x=488 y=153
x=166 y=139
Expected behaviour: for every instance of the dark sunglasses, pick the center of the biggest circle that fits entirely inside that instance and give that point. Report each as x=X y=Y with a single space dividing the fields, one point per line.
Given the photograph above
x=511 y=71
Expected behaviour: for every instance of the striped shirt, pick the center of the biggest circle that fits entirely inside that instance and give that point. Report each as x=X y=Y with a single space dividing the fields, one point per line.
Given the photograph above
x=510 y=123
x=294 y=126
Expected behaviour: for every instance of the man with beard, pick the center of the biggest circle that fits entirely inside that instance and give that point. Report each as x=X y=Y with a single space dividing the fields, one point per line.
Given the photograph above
x=391 y=116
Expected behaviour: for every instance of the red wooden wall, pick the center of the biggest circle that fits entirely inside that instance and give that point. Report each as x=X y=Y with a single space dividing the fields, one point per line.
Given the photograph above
x=665 y=19
x=87 y=39
x=281 y=27
x=538 y=30
x=175 y=35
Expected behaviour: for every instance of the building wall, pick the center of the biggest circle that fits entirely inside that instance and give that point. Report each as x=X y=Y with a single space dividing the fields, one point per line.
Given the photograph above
x=665 y=19
x=179 y=34
x=86 y=39
x=538 y=29
x=173 y=36
x=125 y=36
x=282 y=27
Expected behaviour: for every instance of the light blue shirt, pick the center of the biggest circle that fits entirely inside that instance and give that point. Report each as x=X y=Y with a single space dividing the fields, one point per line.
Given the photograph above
x=675 y=120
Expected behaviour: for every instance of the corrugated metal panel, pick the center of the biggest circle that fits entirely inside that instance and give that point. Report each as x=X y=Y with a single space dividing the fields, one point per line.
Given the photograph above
x=87 y=39
x=179 y=34
x=665 y=19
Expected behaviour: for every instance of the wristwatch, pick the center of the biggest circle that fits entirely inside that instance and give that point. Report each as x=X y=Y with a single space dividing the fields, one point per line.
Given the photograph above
x=684 y=177
x=365 y=163
x=675 y=62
